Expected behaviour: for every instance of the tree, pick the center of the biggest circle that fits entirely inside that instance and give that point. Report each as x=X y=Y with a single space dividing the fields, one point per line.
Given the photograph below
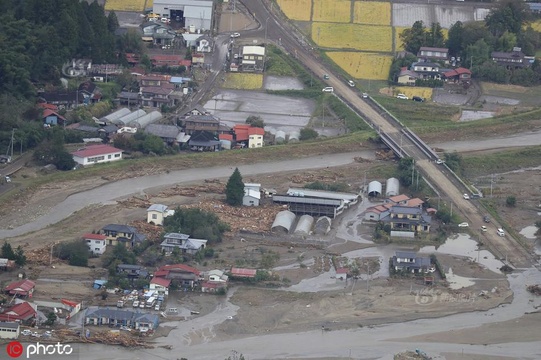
x=506 y=42
x=76 y=252
x=477 y=54
x=508 y=15
x=414 y=38
x=435 y=35
x=112 y=22
x=51 y=318
x=455 y=39
x=234 y=190
x=7 y=251
x=255 y=121
x=20 y=258
x=197 y=223
x=307 y=134
x=511 y=201
x=154 y=144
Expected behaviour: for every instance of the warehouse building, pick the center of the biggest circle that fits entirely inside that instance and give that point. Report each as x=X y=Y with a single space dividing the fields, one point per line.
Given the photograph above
x=190 y=13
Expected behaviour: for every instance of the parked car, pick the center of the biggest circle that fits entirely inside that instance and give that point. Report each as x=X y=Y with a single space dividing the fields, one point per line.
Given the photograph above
x=364 y=96
x=486 y=218
x=500 y=232
x=157 y=307
x=439 y=161
x=402 y=96
x=235 y=35
x=125 y=328
x=464 y=224
x=483 y=228
x=418 y=99
x=326 y=76
x=351 y=83
x=466 y=197
x=329 y=89
x=26 y=332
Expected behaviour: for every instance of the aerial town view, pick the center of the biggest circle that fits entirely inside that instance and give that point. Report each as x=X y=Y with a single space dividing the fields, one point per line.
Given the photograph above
x=270 y=179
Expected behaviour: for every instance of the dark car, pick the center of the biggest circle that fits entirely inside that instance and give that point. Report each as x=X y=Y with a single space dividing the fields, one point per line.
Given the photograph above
x=486 y=218
x=418 y=99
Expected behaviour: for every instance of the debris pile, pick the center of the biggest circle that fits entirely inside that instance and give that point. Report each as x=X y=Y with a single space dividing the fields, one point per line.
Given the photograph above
x=117 y=338
x=323 y=176
x=41 y=256
x=534 y=289
x=135 y=202
x=256 y=219
x=385 y=155
x=152 y=232
x=210 y=186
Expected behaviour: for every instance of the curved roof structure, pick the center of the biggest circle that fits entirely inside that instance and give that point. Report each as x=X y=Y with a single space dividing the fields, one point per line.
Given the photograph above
x=304 y=226
x=116 y=115
x=126 y=119
x=392 y=187
x=374 y=188
x=283 y=221
x=323 y=225
x=294 y=136
x=280 y=136
x=149 y=118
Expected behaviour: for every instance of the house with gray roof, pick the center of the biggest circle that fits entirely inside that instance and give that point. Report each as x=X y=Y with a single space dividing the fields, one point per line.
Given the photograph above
x=410 y=261
x=168 y=133
x=116 y=317
x=182 y=242
x=124 y=234
x=156 y=213
x=406 y=218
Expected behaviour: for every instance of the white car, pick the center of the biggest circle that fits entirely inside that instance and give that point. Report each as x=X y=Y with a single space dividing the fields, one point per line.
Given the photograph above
x=351 y=83
x=26 y=332
x=235 y=35
x=329 y=89
x=402 y=96
x=483 y=228
x=364 y=96
x=439 y=161
x=464 y=224
x=500 y=232
x=466 y=197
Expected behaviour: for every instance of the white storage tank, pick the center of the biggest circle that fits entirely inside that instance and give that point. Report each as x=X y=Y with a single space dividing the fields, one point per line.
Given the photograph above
x=126 y=119
x=374 y=188
x=280 y=137
x=304 y=226
x=149 y=118
x=392 y=187
x=283 y=221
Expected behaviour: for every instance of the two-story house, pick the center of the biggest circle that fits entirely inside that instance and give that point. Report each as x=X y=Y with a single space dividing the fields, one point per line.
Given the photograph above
x=156 y=96
x=433 y=54
x=252 y=58
x=407 y=77
x=255 y=137
x=427 y=70
x=182 y=242
x=97 y=243
x=132 y=271
x=411 y=262
x=122 y=234
x=405 y=218
x=512 y=60
x=203 y=123
x=182 y=274
x=156 y=213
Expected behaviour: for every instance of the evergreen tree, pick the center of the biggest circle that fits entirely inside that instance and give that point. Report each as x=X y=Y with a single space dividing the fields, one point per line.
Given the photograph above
x=7 y=251
x=20 y=258
x=234 y=190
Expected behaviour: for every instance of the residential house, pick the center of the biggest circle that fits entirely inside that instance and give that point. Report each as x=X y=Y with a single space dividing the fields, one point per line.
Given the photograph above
x=242 y=133
x=63 y=100
x=128 y=98
x=160 y=285
x=253 y=58
x=190 y=40
x=512 y=60
x=9 y=330
x=415 y=202
x=97 y=243
x=427 y=70
x=156 y=213
x=226 y=141
x=21 y=288
x=172 y=61
x=132 y=59
x=243 y=273
x=155 y=80
x=156 y=96
x=22 y=312
x=117 y=318
x=79 y=67
x=203 y=141
x=410 y=262
x=132 y=271
x=204 y=44
x=255 y=137
x=124 y=234
x=201 y=123
x=251 y=197
x=182 y=242
x=184 y=275
x=212 y=287
x=404 y=218
x=398 y=200
x=198 y=59
x=91 y=93
x=342 y=273
x=197 y=110
x=375 y=213
x=217 y=276
x=407 y=77
x=95 y=154
x=458 y=75
x=51 y=117
x=6 y=264
x=433 y=54
x=168 y=133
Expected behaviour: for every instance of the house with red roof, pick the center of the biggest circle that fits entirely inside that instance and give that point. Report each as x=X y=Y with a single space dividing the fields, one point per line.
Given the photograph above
x=160 y=285
x=22 y=312
x=97 y=243
x=458 y=75
x=342 y=273
x=94 y=154
x=243 y=273
x=255 y=137
x=169 y=61
x=51 y=117
x=184 y=275
x=21 y=288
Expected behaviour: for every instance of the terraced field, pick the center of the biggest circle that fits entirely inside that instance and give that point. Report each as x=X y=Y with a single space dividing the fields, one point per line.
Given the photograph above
x=372 y=12
x=332 y=11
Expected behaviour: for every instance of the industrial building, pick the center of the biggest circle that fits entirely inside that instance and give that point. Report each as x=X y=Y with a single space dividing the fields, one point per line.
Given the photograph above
x=190 y=13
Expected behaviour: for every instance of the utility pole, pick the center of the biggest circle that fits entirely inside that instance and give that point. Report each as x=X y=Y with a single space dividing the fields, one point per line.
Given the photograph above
x=491 y=182
x=368 y=277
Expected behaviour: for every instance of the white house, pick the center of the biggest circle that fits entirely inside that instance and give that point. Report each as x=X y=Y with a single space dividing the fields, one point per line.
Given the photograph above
x=95 y=154
x=97 y=243
x=251 y=197
x=255 y=137
x=9 y=330
x=160 y=285
x=217 y=276
x=156 y=213
x=182 y=242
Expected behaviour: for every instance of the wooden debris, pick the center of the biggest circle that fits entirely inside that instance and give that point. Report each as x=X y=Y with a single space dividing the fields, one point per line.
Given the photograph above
x=534 y=289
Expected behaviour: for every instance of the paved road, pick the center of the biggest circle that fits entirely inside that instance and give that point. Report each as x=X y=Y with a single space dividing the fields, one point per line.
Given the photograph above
x=448 y=187
x=123 y=188
x=532 y=138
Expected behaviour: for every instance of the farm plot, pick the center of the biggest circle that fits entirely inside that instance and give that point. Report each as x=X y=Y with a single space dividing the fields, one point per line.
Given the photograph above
x=353 y=36
x=372 y=12
x=332 y=11
x=410 y=92
x=368 y=66
x=125 y=5
x=243 y=81
x=296 y=9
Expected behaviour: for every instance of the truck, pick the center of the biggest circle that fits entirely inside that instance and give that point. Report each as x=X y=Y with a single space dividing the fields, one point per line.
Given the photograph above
x=120 y=304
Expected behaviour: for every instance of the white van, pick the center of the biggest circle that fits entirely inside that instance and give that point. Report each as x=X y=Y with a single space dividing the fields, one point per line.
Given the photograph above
x=500 y=232
x=328 y=89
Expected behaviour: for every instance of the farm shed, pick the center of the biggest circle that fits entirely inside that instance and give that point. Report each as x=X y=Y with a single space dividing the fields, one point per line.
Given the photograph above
x=374 y=188
x=126 y=119
x=116 y=115
x=323 y=225
x=392 y=187
x=149 y=118
x=294 y=136
x=283 y=221
x=280 y=137
x=304 y=226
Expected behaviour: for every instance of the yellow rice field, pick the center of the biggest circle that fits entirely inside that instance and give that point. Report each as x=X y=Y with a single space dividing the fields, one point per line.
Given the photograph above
x=332 y=11
x=369 y=66
x=243 y=81
x=353 y=36
x=149 y=4
x=372 y=12
x=296 y=9
x=125 y=5
x=411 y=91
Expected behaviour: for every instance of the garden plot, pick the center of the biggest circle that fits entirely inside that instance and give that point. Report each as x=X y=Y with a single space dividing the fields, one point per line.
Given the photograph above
x=296 y=9
x=278 y=112
x=372 y=12
x=332 y=11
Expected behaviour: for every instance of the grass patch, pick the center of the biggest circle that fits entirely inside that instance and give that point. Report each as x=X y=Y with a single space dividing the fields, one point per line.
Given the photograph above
x=125 y=5
x=243 y=81
x=351 y=119
x=277 y=63
x=502 y=161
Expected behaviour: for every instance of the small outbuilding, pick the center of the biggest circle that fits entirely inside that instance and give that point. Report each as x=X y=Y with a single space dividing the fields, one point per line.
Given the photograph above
x=374 y=188
x=283 y=222
x=392 y=187
x=9 y=330
x=251 y=197
x=323 y=225
x=304 y=226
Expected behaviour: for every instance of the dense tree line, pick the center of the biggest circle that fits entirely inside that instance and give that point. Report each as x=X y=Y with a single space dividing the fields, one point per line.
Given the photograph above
x=506 y=26
x=197 y=224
